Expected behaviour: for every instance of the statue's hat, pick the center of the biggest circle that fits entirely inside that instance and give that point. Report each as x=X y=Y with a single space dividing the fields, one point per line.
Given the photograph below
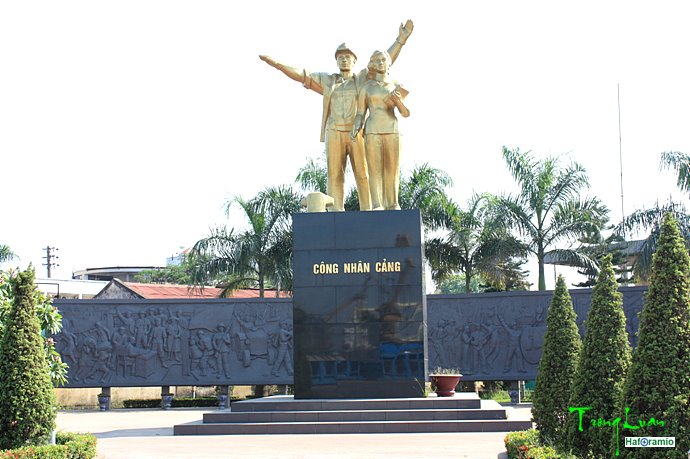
x=343 y=48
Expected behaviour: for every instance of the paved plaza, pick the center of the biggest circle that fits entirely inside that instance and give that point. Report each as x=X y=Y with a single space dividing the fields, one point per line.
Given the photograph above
x=148 y=433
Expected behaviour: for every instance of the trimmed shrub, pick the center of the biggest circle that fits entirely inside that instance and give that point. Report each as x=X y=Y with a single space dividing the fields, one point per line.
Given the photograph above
x=79 y=445
x=544 y=452
x=604 y=362
x=526 y=444
x=49 y=319
x=514 y=440
x=27 y=403
x=557 y=367
x=68 y=446
x=658 y=382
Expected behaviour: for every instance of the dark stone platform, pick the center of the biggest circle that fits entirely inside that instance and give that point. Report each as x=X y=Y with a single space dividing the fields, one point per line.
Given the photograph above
x=359 y=305
x=285 y=415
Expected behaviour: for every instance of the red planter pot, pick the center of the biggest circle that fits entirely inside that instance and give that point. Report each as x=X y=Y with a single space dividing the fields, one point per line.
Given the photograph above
x=445 y=384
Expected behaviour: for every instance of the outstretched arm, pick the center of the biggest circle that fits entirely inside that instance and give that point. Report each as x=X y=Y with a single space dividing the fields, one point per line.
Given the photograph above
x=294 y=73
x=404 y=33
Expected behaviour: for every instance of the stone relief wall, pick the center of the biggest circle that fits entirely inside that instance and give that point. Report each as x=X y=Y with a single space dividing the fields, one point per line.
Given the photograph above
x=119 y=343
x=499 y=336
x=160 y=342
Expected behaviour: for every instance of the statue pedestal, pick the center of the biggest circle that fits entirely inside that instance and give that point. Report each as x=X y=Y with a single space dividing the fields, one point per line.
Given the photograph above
x=359 y=305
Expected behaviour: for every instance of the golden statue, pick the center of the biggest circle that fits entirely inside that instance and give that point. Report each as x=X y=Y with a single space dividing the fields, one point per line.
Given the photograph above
x=380 y=96
x=340 y=97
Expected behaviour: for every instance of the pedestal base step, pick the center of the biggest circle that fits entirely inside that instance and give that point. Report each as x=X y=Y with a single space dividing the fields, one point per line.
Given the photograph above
x=350 y=427
x=284 y=415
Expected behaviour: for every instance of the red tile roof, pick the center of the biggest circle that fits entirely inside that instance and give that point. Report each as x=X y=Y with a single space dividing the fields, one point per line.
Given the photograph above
x=254 y=293
x=162 y=291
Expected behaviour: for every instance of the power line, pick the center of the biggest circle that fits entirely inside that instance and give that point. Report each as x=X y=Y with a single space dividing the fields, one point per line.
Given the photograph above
x=620 y=154
x=50 y=257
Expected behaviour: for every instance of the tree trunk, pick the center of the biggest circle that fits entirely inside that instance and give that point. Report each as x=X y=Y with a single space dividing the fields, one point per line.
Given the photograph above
x=261 y=284
x=542 y=277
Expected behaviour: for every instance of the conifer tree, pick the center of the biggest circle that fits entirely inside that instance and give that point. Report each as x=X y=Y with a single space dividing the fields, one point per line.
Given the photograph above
x=27 y=402
x=604 y=362
x=658 y=383
x=557 y=367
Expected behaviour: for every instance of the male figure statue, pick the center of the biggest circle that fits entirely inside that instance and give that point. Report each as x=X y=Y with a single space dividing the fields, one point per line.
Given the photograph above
x=340 y=94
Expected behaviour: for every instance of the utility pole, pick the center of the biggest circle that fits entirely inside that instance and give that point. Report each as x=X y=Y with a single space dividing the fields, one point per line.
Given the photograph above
x=50 y=257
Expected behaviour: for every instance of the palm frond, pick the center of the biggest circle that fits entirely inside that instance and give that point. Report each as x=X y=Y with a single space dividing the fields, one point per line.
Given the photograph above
x=233 y=283
x=649 y=220
x=523 y=169
x=680 y=163
x=425 y=189
x=6 y=253
x=646 y=219
x=567 y=186
x=575 y=219
x=313 y=176
x=517 y=215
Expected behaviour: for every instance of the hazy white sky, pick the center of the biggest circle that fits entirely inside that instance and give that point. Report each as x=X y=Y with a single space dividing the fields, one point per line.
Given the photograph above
x=124 y=126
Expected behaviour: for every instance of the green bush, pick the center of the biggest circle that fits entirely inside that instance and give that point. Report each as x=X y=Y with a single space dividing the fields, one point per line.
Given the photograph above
x=176 y=403
x=542 y=452
x=68 y=446
x=79 y=445
x=658 y=382
x=514 y=440
x=27 y=402
x=50 y=321
x=603 y=365
x=526 y=444
x=557 y=367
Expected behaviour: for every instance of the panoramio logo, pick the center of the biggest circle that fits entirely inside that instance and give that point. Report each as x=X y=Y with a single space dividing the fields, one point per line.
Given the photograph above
x=636 y=442
x=650 y=442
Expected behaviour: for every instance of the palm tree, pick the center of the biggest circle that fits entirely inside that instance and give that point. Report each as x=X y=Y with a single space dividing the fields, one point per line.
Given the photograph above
x=425 y=189
x=597 y=247
x=5 y=253
x=313 y=176
x=680 y=163
x=476 y=244
x=549 y=210
x=257 y=256
x=650 y=220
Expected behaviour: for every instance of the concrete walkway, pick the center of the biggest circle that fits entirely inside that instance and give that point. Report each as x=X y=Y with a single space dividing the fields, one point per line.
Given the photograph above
x=148 y=433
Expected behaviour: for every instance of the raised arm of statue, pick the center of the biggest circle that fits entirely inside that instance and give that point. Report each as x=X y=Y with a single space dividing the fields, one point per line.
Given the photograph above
x=294 y=73
x=404 y=32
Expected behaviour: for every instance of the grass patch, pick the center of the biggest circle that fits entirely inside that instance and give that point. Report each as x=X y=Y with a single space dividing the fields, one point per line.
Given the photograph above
x=503 y=396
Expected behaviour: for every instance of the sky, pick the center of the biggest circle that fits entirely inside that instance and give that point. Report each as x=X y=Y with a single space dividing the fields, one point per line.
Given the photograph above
x=125 y=126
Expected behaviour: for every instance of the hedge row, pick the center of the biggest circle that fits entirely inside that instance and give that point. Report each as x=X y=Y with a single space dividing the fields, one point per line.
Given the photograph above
x=68 y=445
x=176 y=402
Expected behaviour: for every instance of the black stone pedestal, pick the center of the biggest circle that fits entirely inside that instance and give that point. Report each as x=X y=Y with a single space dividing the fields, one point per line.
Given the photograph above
x=359 y=305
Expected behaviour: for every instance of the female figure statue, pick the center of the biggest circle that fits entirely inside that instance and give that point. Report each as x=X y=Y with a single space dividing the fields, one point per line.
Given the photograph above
x=380 y=96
